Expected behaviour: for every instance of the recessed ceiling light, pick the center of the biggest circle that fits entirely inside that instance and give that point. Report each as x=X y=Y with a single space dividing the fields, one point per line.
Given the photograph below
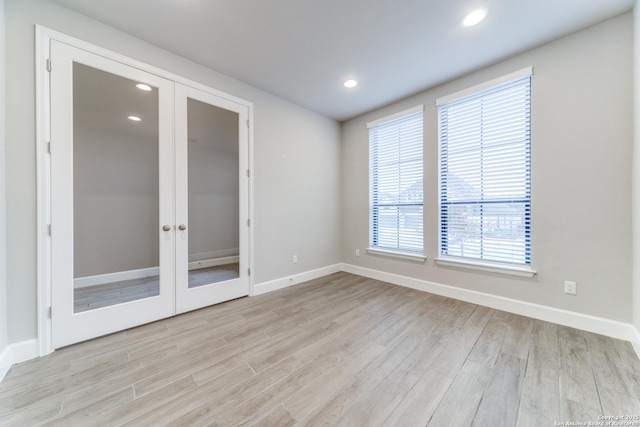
x=143 y=86
x=474 y=17
x=134 y=118
x=350 y=83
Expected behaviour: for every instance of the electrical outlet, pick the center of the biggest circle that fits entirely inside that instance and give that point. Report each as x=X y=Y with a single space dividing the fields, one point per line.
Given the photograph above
x=295 y=259
x=570 y=287
x=357 y=252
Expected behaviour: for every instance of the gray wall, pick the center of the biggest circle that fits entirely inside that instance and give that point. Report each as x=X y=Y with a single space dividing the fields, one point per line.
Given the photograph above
x=3 y=223
x=636 y=167
x=297 y=161
x=115 y=213
x=581 y=176
x=213 y=181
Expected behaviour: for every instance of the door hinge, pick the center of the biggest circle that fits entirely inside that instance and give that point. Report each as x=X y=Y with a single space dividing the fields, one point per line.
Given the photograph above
x=247 y=122
x=248 y=271
x=49 y=229
x=49 y=64
x=50 y=312
x=248 y=173
x=49 y=147
x=248 y=222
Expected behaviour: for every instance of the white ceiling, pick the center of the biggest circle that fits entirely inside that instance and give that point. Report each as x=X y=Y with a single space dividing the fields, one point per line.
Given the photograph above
x=302 y=50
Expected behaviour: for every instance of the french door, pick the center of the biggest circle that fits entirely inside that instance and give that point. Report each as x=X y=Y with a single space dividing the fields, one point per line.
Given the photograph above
x=212 y=209
x=149 y=197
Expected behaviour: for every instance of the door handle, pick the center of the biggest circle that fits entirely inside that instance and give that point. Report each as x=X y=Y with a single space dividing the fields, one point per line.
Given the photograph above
x=166 y=227
x=182 y=227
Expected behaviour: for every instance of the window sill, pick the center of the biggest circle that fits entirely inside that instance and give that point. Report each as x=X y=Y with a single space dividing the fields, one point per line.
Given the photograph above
x=409 y=256
x=491 y=268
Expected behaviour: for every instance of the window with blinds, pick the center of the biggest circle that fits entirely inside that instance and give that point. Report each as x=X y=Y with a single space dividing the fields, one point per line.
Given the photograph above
x=485 y=171
x=395 y=179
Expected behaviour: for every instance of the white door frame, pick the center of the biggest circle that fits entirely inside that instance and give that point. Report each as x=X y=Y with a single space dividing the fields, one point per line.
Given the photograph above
x=43 y=125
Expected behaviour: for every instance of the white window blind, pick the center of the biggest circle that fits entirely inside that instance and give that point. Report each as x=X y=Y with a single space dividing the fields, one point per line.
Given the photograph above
x=395 y=179
x=485 y=173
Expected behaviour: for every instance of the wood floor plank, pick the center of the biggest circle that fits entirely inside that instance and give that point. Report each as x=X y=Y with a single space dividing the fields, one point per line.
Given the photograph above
x=287 y=348
x=329 y=413
x=314 y=394
x=526 y=419
x=578 y=413
x=480 y=316
x=274 y=395
x=518 y=338
x=54 y=385
x=279 y=417
x=608 y=368
x=336 y=340
x=236 y=396
x=616 y=403
x=571 y=334
x=456 y=318
x=196 y=399
x=329 y=383
x=460 y=403
x=83 y=409
x=409 y=371
x=377 y=370
x=172 y=365
x=97 y=413
x=628 y=357
x=46 y=409
x=487 y=347
x=375 y=407
x=98 y=399
x=501 y=398
x=577 y=383
x=455 y=353
x=421 y=401
x=540 y=399
x=337 y=350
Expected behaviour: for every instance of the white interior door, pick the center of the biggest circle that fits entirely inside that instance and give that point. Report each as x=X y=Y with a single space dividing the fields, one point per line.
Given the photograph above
x=112 y=181
x=212 y=194
x=149 y=197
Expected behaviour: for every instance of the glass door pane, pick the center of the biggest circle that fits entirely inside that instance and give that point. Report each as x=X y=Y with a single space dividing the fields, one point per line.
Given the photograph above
x=213 y=194
x=115 y=189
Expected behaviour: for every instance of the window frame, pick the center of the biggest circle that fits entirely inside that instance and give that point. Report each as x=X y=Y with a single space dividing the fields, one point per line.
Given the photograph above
x=373 y=248
x=523 y=269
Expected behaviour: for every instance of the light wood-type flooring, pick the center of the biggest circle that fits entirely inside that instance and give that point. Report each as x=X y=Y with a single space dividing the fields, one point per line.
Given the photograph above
x=339 y=350
x=92 y=297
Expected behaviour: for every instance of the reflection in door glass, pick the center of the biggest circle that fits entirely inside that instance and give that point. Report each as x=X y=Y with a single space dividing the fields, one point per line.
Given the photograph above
x=213 y=194
x=115 y=189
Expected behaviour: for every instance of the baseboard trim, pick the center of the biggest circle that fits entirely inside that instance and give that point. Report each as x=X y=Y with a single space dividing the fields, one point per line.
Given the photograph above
x=581 y=321
x=5 y=362
x=100 y=279
x=16 y=353
x=214 y=262
x=296 y=279
x=221 y=253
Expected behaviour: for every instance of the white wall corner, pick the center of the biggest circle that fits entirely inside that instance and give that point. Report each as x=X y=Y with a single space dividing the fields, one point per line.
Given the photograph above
x=5 y=362
x=296 y=279
x=635 y=181
x=16 y=353
x=599 y=325
x=635 y=339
